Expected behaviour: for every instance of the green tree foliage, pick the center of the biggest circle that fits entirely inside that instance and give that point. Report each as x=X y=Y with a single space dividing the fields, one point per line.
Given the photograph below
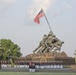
x=9 y=50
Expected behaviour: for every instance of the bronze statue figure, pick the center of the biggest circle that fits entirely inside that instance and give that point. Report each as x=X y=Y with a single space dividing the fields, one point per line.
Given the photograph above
x=49 y=43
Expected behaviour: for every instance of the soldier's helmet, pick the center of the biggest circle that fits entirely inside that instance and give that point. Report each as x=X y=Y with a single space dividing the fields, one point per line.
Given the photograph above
x=50 y=33
x=62 y=42
x=45 y=36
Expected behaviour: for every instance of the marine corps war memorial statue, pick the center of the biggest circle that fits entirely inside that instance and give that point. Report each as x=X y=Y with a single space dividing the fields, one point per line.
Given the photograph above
x=49 y=51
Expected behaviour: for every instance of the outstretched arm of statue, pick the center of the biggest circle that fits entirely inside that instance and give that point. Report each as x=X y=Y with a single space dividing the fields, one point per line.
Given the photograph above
x=36 y=49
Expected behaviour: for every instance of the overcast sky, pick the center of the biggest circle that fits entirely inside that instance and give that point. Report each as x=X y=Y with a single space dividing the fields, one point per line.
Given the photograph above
x=16 y=23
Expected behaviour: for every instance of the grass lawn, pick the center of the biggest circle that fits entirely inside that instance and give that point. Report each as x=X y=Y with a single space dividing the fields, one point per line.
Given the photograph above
x=36 y=73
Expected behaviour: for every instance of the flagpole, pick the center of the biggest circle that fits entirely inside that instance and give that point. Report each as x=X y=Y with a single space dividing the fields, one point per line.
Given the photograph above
x=47 y=20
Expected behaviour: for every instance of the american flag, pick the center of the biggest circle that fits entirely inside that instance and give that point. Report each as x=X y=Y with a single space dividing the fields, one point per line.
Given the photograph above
x=39 y=15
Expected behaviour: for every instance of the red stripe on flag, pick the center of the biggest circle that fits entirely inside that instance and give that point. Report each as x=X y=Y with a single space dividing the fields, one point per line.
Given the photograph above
x=39 y=15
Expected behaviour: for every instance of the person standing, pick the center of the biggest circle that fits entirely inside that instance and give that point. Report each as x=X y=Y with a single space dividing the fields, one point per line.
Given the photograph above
x=30 y=67
x=33 y=67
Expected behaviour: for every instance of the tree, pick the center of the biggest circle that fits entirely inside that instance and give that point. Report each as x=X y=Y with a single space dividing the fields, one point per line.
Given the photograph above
x=9 y=50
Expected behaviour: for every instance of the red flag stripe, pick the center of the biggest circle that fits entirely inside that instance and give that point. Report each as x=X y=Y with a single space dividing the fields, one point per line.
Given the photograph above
x=39 y=15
